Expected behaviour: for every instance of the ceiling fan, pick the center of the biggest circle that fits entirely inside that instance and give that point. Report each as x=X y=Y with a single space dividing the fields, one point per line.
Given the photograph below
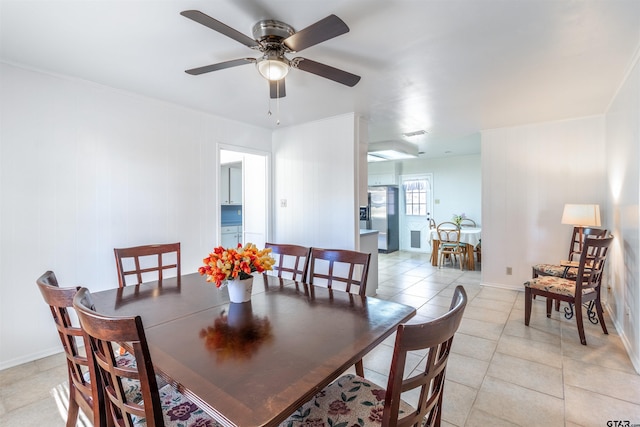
x=274 y=39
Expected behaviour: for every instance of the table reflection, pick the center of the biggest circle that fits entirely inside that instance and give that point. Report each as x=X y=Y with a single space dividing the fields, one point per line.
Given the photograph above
x=238 y=333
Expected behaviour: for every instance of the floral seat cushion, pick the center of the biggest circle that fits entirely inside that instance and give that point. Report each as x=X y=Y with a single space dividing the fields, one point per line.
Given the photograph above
x=349 y=401
x=556 y=270
x=131 y=386
x=178 y=411
x=556 y=285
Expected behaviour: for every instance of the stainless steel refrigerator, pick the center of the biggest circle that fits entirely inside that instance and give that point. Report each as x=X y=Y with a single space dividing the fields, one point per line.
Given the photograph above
x=384 y=217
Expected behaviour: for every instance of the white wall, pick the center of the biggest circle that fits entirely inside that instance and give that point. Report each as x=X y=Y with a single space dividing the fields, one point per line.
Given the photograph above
x=85 y=168
x=457 y=183
x=623 y=158
x=315 y=172
x=528 y=174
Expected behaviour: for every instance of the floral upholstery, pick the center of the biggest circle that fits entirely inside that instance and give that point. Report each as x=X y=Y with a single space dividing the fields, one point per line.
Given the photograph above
x=179 y=411
x=556 y=285
x=555 y=270
x=131 y=386
x=349 y=401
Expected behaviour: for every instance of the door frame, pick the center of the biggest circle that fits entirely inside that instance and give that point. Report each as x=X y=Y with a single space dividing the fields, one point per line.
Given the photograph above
x=424 y=239
x=267 y=186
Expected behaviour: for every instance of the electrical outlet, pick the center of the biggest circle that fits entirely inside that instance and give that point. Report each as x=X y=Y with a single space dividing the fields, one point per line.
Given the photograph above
x=283 y=203
x=509 y=271
x=436 y=201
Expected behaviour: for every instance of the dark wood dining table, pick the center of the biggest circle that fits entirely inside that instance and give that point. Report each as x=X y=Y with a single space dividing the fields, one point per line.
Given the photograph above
x=294 y=340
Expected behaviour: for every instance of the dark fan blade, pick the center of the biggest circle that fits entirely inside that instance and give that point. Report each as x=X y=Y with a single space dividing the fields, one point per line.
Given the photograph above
x=277 y=89
x=327 y=72
x=219 y=66
x=325 y=29
x=218 y=26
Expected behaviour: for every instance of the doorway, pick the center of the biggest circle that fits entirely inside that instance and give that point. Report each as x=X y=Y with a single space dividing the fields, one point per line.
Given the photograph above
x=416 y=205
x=243 y=196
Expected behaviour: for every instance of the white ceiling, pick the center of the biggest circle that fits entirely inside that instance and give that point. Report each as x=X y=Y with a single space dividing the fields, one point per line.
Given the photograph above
x=451 y=67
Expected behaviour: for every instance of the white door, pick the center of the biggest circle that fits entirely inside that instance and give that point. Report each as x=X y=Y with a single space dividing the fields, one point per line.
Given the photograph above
x=416 y=205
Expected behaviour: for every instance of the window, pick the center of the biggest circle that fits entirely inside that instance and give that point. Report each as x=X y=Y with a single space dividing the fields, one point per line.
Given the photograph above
x=415 y=193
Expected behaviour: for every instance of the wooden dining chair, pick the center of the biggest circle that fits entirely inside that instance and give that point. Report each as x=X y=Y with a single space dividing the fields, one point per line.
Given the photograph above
x=558 y=270
x=341 y=267
x=141 y=260
x=584 y=289
x=292 y=260
x=328 y=268
x=164 y=407
x=466 y=222
x=449 y=247
x=351 y=400
x=84 y=390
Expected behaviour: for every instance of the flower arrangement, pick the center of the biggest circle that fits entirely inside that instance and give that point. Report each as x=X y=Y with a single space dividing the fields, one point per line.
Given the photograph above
x=458 y=218
x=235 y=263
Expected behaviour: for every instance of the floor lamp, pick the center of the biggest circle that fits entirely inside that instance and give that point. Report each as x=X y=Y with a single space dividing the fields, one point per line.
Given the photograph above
x=581 y=216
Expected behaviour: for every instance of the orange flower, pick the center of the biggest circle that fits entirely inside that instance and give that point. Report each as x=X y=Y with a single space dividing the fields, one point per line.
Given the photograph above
x=235 y=263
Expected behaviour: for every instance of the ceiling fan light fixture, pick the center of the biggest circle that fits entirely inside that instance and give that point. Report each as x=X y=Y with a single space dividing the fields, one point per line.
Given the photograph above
x=273 y=67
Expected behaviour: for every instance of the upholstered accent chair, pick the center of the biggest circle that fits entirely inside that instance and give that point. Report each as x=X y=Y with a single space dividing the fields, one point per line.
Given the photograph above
x=585 y=289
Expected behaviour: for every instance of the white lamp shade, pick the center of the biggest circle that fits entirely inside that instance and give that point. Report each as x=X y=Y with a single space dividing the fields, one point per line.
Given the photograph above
x=273 y=69
x=581 y=215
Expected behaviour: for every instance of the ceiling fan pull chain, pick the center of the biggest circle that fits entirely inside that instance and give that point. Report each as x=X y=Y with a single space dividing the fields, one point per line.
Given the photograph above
x=278 y=103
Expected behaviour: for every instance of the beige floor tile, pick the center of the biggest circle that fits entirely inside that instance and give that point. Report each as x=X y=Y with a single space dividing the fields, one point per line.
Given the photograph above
x=420 y=290
x=478 y=418
x=491 y=304
x=379 y=360
x=2 y=408
x=480 y=328
x=547 y=333
x=603 y=350
x=432 y=310
x=33 y=388
x=591 y=409
x=485 y=314
x=466 y=370
x=535 y=376
x=442 y=301
x=411 y=300
x=533 y=351
x=519 y=405
x=598 y=379
x=457 y=402
x=39 y=413
x=498 y=294
x=471 y=346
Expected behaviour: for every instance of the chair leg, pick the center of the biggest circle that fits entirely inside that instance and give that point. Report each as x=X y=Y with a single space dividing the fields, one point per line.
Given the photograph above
x=360 y=368
x=549 y=304
x=72 y=414
x=598 y=305
x=578 y=314
x=557 y=305
x=528 y=299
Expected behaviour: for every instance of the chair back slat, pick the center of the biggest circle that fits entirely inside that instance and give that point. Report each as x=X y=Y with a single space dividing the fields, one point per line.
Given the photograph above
x=84 y=389
x=102 y=333
x=436 y=336
x=591 y=265
x=328 y=265
x=154 y=254
x=285 y=255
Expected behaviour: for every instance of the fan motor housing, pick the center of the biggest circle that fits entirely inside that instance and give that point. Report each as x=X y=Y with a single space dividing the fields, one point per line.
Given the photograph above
x=272 y=30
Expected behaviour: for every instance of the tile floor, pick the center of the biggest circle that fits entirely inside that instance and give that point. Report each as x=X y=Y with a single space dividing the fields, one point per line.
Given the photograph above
x=500 y=372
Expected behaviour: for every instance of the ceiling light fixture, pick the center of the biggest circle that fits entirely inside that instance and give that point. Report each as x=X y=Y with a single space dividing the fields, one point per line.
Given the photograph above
x=273 y=66
x=393 y=150
x=414 y=133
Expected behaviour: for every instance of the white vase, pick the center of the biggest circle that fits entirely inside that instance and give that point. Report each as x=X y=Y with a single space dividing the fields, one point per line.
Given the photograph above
x=240 y=290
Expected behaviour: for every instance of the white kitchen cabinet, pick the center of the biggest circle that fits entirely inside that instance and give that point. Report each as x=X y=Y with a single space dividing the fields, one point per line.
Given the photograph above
x=382 y=179
x=231 y=236
x=231 y=184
